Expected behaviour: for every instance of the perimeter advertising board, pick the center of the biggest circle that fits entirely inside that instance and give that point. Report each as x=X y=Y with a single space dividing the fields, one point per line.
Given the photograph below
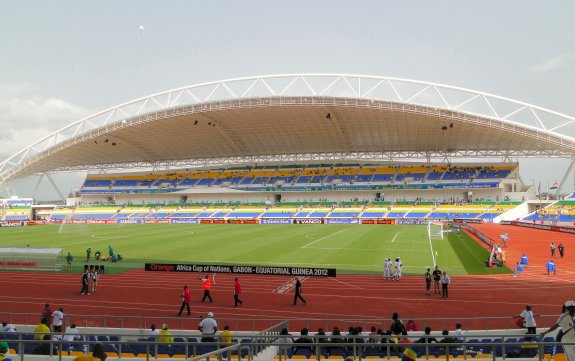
x=246 y=270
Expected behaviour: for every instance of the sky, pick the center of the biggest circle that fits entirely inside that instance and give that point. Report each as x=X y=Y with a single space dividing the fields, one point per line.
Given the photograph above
x=63 y=60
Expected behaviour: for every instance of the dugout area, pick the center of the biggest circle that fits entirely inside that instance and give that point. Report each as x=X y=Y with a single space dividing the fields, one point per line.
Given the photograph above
x=31 y=259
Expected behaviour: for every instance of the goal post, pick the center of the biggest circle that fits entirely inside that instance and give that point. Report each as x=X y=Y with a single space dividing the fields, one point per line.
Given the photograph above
x=435 y=230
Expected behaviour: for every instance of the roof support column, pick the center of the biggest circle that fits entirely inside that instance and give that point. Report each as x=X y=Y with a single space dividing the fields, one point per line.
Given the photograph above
x=55 y=187
x=564 y=179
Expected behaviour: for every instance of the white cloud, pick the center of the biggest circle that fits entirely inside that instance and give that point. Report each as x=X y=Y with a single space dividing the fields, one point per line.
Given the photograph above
x=26 y=116
x=553 y=63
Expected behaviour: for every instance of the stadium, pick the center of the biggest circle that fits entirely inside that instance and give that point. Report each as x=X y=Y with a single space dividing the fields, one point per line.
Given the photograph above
x=319 y=176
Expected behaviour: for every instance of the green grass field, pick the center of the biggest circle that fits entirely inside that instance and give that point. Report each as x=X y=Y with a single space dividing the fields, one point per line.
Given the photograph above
x=349 y=248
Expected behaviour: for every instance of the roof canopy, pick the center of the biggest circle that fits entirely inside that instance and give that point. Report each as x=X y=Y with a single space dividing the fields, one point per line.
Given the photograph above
x=299 y=118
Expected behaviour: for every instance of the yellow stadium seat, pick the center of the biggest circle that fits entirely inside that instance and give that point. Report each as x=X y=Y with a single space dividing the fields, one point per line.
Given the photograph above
x=127 y=354
x=560 y=357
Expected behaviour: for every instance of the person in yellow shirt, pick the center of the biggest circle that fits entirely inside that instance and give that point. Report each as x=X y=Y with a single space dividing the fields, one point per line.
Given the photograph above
x=226 y=336
x=41 y=330
x=165 y=336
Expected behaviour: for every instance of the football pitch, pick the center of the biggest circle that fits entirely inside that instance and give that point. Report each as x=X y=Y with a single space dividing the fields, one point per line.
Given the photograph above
x=348 y=248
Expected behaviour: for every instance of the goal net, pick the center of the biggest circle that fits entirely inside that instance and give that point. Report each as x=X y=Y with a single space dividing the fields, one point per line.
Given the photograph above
x=435 y=230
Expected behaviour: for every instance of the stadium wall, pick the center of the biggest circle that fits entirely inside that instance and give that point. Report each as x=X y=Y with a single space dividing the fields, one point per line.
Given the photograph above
x=223 y=195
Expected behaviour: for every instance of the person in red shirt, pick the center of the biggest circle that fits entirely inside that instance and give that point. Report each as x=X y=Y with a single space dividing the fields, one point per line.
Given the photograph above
x=237 y=292
x=186 y=298
x=47 y=315
x=206 y=286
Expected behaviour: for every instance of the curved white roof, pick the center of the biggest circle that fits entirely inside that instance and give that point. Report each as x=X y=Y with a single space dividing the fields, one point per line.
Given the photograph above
x=295 y=117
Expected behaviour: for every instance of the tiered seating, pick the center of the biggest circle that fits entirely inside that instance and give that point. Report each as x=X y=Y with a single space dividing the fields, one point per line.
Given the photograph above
x=458 y=211
x=18 y=213
x=499 y=171
x=373 y=212
x=95 y=212
x=436 y=172
x=496 y=209
x=419 y=211
x=185 y=213
x=279 y=213
x=285 y=175
x=342 y=174
x=398 y=211
x=132 y=212
x=383 y=174
x=314 y=174
x=257 y=176
x=230 y=177
x=345 y=213
x=459 y=173
x=61 y=213
x=246 y=213
x=417 y=173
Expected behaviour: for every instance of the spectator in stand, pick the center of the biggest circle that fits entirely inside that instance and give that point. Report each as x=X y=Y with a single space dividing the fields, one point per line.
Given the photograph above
x=459 y=333
x=226 y=337
x=301 y=344
x=446 y=338
x=71 y=335
x=426 y=338
x=45 y=347
x=411 y=326
x=8 y=327
x=58 y=320
x=4 y=349
x=208 y=327
x=41 y=330
x=320 y=336
x=154 y=331
x=285 y=338
x=165 y=336
x=98 y=351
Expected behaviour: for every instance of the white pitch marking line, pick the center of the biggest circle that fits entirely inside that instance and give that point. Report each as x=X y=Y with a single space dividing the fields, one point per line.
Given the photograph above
x=348 y=284
x=322 y=238
x=394 y=237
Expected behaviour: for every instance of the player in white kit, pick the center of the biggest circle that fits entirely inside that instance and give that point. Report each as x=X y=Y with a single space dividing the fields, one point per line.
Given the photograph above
x=398 y=267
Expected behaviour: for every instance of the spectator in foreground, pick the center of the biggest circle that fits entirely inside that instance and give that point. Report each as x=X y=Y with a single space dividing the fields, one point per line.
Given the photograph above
x=165 y=336
x=8 y=327
x=41 y=330
x=411 y=326
x=208 y=327
x=459 y=333
x=226 y=336
x=426 y=338
x=154 y=331
x=285 y=338
x=98 y=351
x=45 y=347
x=4 y=348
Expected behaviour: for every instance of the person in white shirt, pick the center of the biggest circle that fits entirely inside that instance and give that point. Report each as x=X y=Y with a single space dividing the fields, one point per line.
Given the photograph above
x=209 y=327
x=398 y=268
x=71 y=335
x=529 y=320
x=8 y=327
x=459 y=332
x=154 y=330
x=566 y=322
x=57 y=320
